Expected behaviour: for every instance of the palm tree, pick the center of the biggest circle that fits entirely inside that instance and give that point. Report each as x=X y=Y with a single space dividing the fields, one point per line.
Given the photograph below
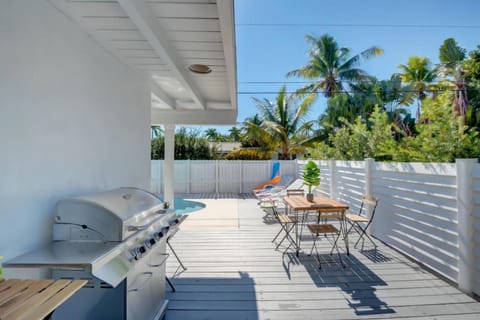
x=283 y=122
x=253 y=134
x=211 y=134
x=155 y=131
x=394 y=97
x=451 y=58
x=329 y=65
x=419 y=73
x=235 y=134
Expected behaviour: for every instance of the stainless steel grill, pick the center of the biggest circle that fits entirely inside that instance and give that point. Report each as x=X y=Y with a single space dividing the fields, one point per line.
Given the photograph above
x=117 y=240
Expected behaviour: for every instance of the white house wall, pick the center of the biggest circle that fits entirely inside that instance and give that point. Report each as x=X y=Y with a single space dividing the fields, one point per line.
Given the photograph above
x=73 y=120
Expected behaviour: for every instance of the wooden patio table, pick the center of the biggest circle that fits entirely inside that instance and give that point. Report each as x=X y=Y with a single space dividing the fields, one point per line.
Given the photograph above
x=34 y=299
x=324 y=206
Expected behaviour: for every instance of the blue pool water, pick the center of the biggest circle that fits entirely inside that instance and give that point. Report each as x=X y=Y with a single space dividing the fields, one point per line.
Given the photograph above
x=183 y=206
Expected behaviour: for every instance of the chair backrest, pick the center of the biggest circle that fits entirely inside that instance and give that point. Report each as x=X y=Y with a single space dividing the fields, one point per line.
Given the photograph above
x=285 y=181
x=275 y=170
x=295 y=192
x=372 y=202
x=297 y=184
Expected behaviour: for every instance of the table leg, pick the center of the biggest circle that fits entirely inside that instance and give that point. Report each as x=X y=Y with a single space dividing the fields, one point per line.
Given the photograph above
x=302 y=223
x=297 y=237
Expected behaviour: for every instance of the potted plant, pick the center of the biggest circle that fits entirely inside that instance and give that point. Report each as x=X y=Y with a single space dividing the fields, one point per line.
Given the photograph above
x=311 y=177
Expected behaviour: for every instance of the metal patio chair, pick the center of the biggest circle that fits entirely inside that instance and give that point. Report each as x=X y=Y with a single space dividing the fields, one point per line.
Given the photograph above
x=360 y=222
x=325 y=229
x=287 y=224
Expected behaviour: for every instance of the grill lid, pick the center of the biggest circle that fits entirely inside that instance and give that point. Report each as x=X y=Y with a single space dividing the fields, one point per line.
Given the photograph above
x=113 y=215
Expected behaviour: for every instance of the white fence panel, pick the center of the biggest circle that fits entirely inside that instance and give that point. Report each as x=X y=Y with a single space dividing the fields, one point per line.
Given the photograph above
x=255 y=173
x=203 y=176
x=210 y=176
x=229 y=176
x=288 y=168
x=350 y=183
x=181 y=176
x=156 y=184
x=476 y=238
x=417 y=212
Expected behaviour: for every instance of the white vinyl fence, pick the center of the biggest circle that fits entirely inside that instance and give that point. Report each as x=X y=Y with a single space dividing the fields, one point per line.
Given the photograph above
x=429 y=211
x=218 y=176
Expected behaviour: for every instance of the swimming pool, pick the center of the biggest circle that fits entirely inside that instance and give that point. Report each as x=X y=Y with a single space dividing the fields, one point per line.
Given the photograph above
x=183 y=206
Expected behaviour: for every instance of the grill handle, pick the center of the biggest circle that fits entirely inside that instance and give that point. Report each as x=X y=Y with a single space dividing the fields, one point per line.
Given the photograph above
x=138 y=228
x=147 y=279
x=156 y=265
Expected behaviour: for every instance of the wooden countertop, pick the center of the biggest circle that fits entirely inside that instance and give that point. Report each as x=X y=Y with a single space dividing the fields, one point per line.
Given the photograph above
x=34 y=299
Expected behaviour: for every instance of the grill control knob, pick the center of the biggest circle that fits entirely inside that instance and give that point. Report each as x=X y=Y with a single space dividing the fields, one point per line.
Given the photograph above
x=142 y=249
x=134 y=254
x=158 y=235
x=150 y=242
x=174 y=222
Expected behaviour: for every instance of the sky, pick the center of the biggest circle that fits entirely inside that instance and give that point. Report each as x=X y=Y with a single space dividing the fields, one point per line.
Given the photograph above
x=270 y=38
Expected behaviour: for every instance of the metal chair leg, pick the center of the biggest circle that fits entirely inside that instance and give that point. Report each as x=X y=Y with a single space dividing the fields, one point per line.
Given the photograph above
x=334 y=246
x=363 y=233
x=314 y=245
x=279 y=232
x=287 y=235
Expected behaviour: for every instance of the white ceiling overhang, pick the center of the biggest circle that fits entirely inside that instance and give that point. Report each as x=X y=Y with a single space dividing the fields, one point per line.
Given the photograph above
x=162 y=38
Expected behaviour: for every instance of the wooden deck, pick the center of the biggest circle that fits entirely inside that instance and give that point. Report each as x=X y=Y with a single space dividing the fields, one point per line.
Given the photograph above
x=236 y=273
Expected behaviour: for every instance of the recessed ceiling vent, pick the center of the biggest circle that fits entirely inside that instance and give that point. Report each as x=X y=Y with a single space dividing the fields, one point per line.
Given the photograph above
x=199 y=68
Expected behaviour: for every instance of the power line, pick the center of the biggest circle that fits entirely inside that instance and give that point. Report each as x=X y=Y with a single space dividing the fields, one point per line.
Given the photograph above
x=309 y=82
x=271 y=82
x=359 y=25
x=359 y=91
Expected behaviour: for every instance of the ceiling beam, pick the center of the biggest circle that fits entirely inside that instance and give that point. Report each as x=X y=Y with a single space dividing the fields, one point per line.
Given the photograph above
x=227 y=27
x=194 y=117
x=140 y=13
x=162 y=95
x=211 y=105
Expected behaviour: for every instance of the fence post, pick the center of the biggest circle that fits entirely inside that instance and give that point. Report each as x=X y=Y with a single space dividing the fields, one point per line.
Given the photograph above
x=466 y=270
x=189 y=176
x=160 y=176
x=241 y=176
x=369 y=167
x=216 y=176
x=295 y=168
x=333 y=183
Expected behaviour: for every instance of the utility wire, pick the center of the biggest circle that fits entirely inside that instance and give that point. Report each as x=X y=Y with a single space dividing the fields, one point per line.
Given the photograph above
x=360 y=91
x=355 y=25
x=309 y=82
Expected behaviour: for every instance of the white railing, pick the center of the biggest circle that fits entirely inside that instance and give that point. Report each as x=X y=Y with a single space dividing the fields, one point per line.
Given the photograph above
x=429 y=211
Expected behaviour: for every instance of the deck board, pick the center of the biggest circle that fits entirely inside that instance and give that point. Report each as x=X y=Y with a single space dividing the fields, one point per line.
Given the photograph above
x=236 y=273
